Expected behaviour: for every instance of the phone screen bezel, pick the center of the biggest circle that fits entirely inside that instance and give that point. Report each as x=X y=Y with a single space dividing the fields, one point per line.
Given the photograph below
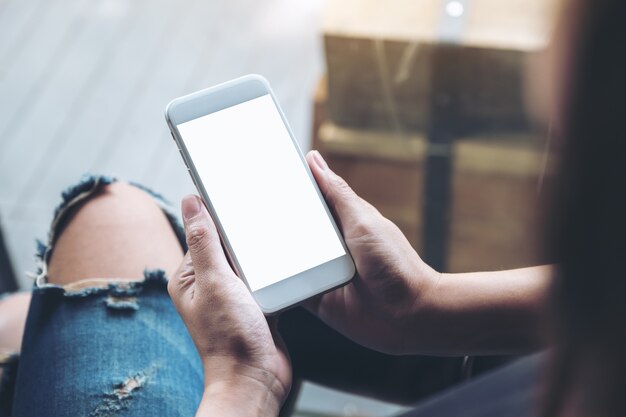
x=291 y=290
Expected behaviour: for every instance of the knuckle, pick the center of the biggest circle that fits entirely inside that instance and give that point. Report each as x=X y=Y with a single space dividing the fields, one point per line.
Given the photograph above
x=197 y=235
x=341 y=189
x=170 y=286
x=341 y=185
x=361 y=228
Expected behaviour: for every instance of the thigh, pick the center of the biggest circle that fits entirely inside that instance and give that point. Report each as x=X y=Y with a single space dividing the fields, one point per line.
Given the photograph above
x=13 y=310
x=512 y=391
x=96 y=351
x=8 y=370
x=102 y=336
x=324 y=356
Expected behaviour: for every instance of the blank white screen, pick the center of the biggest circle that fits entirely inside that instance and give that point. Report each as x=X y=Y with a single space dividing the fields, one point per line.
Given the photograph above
x=260 y=191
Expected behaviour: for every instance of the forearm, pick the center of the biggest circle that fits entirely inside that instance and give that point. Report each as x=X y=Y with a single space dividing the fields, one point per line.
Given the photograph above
x=482 y=313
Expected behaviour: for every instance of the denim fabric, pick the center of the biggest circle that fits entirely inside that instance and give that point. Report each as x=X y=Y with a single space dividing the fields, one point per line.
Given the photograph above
x=117 y=350
x=8 y=371
x=512 y=391
x=102 y=348
x=106 y=348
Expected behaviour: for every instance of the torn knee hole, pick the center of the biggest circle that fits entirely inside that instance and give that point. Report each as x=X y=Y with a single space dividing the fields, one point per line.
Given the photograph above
x=119 y=398
x=120 y=302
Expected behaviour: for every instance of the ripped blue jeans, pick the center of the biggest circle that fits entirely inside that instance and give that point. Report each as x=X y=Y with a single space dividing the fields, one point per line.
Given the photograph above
x=100 y=348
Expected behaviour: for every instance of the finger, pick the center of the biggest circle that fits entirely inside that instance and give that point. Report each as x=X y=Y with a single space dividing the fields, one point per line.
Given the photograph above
x=325 y=305
x=182 y=280
x=272 y=322
x=203 y=240
x=313 y=303
x=340 y=197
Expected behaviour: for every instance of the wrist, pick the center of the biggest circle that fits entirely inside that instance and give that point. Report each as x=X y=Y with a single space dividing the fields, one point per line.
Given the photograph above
x=426 y=294
x=425 y=313
x=233 y=388
x=237 y=399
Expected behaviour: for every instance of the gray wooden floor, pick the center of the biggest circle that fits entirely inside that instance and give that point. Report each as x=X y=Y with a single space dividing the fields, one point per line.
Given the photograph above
x=83 y=85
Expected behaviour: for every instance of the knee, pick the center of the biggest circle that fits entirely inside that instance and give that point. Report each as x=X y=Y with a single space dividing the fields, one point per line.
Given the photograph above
x=107 y=215
x=116 y=233
x=111 y=205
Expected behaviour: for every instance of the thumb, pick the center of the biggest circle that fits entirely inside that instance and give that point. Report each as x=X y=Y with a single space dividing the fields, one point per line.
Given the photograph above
x=179 y=284
x=343 y=201
x=203 y=240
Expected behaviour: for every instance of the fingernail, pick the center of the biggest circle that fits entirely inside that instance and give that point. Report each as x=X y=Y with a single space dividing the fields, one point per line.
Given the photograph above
x=190 y=206
x=319 y=161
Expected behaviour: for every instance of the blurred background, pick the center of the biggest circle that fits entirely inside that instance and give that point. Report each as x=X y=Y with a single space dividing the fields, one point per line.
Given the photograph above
x=420 y=104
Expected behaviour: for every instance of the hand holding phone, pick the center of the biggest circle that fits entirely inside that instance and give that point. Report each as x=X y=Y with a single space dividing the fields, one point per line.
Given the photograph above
x=381 y=308
x=275 y=226
x=246 y=366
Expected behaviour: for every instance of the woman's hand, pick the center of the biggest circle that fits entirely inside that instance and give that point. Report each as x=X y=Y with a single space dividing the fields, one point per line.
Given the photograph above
x=376 y=309
x=246 y=369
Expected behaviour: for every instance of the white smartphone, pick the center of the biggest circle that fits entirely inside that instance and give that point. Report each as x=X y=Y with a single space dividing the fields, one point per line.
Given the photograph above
x=275 y=226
